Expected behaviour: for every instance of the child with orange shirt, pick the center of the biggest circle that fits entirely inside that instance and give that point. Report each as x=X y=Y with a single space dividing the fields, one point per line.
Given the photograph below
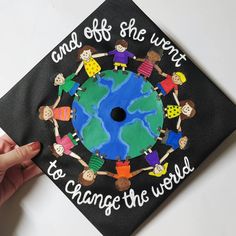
x=123 y=175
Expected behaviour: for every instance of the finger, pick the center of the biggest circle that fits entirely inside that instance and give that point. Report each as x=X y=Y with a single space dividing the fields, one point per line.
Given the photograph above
x=5 y=144
x=19 y=155
x=8 y=139
x=31 y=172
x=26 y=164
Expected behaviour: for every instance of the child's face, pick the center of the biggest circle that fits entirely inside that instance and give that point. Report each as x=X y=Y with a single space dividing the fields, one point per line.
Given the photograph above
x=47 y=113
x=183 y=142
x=58 y=148
x=123 y=184
x=59 y=80
x=187 y=109
x=153 y=56
x=176 y=79
x=89 y=175
x=158 y=169
x=86 y=55
x=120 y=48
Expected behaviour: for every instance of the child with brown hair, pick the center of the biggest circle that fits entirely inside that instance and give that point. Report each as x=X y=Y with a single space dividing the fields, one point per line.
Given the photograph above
x=184 y=110
x=149 y=63
x=92 y=169
x=63 y=145
x=173 y=139
x=123 y=174
x=67 y=85
x=53 y=113
x=86 y=55
x=121 y=55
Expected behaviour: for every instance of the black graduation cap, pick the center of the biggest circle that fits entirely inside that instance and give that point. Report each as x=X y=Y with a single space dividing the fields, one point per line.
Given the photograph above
x=134 y=104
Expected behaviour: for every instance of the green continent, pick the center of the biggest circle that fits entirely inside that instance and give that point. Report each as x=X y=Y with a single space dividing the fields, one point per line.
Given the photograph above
x=117 y=77
x=92 y=96
x=144 y=104
x=135 y=135
x=147 y=87
x=94 y=134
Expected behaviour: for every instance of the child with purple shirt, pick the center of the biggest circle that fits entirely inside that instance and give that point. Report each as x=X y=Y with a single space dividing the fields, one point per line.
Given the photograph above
x=121 y=55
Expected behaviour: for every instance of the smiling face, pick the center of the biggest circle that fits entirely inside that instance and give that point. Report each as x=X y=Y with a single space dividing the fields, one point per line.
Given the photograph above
x=122 y=184
x=58 y=149
x=176 y=79
x=183 y=142
x=89 y=175
x=153 y=56
x=187 y=109
x=47 y=113
x=59 y=80
x=157 y=169
x=86 y=55
x=120 y=48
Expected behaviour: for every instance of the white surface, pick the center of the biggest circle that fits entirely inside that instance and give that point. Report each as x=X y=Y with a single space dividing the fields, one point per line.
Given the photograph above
x=206 y=30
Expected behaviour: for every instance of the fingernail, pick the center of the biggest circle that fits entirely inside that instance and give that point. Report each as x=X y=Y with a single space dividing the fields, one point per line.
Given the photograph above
x=35 y=146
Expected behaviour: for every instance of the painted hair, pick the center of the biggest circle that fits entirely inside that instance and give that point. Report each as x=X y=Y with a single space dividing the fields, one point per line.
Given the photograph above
x=157 y=50
x=41 y=111
x=53 y=151
x=85 y=48
x=191 y=104
x=85 y=182
x=122 y=184
x=122 y=42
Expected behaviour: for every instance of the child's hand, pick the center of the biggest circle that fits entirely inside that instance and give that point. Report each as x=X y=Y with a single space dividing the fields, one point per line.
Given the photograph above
x=16 y=166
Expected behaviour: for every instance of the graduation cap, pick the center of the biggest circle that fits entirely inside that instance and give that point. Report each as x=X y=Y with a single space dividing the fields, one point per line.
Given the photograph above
x=115 y=109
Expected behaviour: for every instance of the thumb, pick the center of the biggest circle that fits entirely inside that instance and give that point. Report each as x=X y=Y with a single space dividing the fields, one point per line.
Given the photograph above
x=19 y=155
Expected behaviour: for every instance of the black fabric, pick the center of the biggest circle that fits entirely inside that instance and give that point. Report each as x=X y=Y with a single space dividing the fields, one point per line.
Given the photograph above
x=215 y=119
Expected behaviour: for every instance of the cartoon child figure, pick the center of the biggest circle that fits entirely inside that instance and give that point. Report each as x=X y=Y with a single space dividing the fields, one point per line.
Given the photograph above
x=173 y=139
x=121 y=55
x=184 y=110
x=63 y=145
x=153 y=160
x=123 y=174
x=87 y=55
x=170 y=83
x=67 y=85
x=92 y=169
x=149 y=63
x=53 y=113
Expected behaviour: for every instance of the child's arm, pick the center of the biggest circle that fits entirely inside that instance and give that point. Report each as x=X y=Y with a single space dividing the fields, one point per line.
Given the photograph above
x=102 y=173
x=136 y=172
x=55 y=123
x=176 y=99
x=140 y=59
x=79 y=68
x=100 y=55
x=176 y=91
x=110 y=174
x=148 y=168
x=81 y=161
x=56 y=102
x=166 y=155
x=178 y=124
x=56 y=130
x=159 y=70
x=164 y=74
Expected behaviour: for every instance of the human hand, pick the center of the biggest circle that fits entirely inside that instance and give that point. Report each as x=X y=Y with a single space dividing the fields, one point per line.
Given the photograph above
x=16 y=166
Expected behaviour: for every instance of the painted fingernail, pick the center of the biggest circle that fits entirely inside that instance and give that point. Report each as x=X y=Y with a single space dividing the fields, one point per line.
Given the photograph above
x=35 y=146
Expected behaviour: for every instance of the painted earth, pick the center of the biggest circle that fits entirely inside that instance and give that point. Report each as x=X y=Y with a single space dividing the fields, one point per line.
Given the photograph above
x=118 y=115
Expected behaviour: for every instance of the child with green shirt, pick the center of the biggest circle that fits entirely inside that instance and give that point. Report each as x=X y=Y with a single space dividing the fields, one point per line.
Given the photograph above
x=67 y=85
